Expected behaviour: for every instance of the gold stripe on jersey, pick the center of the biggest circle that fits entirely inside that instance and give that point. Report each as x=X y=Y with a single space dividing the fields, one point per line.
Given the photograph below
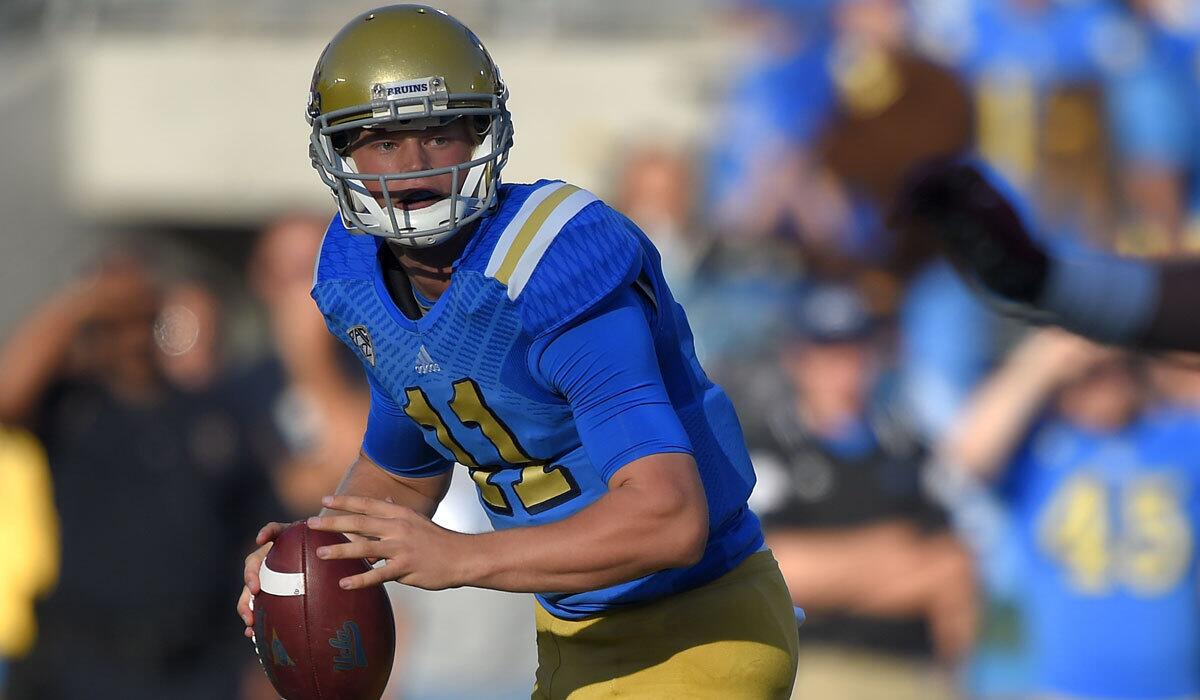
x=529 y=229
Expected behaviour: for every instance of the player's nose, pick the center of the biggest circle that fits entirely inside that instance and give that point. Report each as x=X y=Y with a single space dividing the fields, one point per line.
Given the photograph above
x=410 y=156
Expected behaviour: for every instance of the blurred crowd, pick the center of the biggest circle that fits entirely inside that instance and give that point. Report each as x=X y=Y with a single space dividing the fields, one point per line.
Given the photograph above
x=964 y=505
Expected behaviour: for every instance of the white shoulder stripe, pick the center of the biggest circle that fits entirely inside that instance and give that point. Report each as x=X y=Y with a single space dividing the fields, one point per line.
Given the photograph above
x=317 y=260
x=555 y=223
x=516 y=224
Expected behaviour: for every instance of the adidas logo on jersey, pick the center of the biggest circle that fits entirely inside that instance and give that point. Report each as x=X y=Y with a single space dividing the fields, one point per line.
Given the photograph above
x=425 y=363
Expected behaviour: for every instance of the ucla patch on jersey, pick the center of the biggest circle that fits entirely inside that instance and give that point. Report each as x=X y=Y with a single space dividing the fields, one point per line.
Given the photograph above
x=361 y=337
x=425 y=363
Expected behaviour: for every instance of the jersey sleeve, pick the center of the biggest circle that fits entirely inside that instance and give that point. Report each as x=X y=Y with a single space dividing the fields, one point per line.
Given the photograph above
x=606 y=366
x=395 y=442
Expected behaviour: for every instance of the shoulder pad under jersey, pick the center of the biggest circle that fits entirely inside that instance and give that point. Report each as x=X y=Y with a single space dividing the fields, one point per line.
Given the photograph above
x=562 y=253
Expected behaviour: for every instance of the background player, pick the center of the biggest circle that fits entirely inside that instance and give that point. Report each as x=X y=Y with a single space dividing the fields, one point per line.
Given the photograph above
x=526 y=332
x=1098 y=473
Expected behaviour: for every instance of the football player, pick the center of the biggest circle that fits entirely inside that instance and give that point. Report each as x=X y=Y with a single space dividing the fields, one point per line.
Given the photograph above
x=1118 y=300
x=526 y=332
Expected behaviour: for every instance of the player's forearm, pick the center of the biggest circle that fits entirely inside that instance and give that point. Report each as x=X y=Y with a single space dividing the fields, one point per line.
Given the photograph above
x=846 y=570
x=998 y=416
x=637 y=528
x=365 y=478
x=820 y=568
x=887 y=569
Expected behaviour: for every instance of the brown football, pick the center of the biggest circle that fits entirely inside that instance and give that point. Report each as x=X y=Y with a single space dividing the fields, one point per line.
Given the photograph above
x=315 y=640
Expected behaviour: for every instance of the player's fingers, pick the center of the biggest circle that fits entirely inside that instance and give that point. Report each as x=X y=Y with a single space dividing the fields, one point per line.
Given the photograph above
x=364 y=505
x=253 y=564
x=269 y=532
x=243 y=608
x=359 y=549
x=356 y=523
x=374 y=577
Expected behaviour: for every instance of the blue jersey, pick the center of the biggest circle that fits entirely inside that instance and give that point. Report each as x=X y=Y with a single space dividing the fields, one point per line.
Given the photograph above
x=1109 y=524
x=468 y=382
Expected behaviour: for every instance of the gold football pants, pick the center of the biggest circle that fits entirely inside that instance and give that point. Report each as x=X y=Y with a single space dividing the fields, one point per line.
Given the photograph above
x=733 y=639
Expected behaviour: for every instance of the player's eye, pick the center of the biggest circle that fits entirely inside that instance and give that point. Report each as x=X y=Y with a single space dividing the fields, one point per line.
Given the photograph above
x=438 y=141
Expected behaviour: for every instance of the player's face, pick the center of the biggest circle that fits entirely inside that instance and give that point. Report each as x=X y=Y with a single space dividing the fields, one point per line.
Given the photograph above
x=379 y=152
x=122 y=341
x=836 y=372
x=1107 y=397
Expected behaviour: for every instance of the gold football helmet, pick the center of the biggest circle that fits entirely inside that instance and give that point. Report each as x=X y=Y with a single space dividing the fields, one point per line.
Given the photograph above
x=408 y=67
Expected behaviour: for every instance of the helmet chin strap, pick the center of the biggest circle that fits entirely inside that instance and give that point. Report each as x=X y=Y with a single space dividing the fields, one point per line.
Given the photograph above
x=413 y=221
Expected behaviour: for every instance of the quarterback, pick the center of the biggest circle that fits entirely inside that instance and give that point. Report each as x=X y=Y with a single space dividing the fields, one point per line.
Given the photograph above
x=525 y=332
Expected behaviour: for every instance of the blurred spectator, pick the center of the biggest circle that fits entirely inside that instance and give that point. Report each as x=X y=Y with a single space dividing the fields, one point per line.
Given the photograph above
x=1038 y=68
x=887 y=589
x=816 y=115
x=1154 y=100
x=947 y=339
x=885 y=90
x=1101 y=483
x=734 y=289
x=655 y=188
x=29 y=558
x=155 y=493
x=777 y=101
x=188 y=334
x=305 y=400
x=827 y=175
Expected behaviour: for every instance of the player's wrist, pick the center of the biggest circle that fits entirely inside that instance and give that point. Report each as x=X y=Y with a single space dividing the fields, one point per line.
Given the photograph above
x=475 y=562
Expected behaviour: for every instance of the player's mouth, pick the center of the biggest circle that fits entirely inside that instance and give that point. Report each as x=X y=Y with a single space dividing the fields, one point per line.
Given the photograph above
x=416 y=199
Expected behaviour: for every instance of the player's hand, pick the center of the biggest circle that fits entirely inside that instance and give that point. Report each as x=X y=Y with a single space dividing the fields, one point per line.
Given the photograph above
x=417 y=552
x=1059 y=356
x=978 y=228
x=265 y=538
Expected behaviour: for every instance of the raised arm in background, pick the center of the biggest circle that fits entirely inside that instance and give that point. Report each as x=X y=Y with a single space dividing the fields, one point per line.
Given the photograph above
x=1137 y=303
x=38 y=349
x=999 y=416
